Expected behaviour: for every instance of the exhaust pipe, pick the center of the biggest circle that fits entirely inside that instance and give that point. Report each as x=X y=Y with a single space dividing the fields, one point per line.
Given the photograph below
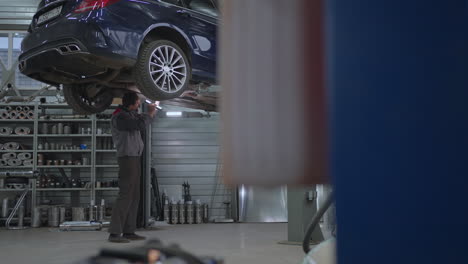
x=69 y=48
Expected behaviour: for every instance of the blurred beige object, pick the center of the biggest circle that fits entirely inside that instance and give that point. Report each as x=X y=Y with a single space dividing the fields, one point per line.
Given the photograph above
x=272 y=102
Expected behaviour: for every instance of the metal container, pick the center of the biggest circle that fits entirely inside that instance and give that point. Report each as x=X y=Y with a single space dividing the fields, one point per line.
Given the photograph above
x=181 y=209
x=92 y=213
x=190 y=213
x=206 y=216
x=37 y=217
x=53 y=216
x=167 y=211
x=52 y=145
x=5 y=207
x=44 y=128
x=78 y=214
x=101 y=213
x=46 y=146
x=85 y=161
x=21 y=216
x=63 y=211
x=60 y=128
x=198 y=213
x=174 y=213
x=67 y=130
x=54 y=129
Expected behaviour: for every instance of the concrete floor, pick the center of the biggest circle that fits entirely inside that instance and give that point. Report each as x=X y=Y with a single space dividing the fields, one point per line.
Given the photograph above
x=236 y=243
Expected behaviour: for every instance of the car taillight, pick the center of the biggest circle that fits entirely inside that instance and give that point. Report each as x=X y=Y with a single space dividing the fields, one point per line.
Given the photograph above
x=88 y=5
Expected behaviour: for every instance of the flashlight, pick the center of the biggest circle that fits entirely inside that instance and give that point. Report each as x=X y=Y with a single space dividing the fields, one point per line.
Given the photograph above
x=155 y=103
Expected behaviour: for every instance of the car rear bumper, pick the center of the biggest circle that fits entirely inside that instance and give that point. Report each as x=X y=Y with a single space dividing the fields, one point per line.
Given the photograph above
x=71 y=49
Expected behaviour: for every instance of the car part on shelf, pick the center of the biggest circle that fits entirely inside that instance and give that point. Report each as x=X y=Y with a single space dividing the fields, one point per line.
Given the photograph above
x=28 y=162
x=30 y=114
x=3 y=162
x=28 y=174
x=11 y=146
x=4 y=131
x=22 y=130
x=15 y=162
x=9 y=155
x=24 y=156
x=13 y=114
x=22 y=115
x=5 y=115
x=60 y=128
x=80 y=226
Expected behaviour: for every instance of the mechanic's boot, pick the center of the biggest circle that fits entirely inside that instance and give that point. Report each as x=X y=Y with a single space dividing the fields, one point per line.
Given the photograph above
x=117 y=238
x=133 y=236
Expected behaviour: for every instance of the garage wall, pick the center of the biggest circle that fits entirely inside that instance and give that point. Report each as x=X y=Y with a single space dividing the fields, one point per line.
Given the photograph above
x=17 y=15
x=187 y=149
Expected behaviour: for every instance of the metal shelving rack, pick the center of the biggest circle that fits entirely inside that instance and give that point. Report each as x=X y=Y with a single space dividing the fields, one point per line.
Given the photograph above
x=22 y=122
x=36 y=137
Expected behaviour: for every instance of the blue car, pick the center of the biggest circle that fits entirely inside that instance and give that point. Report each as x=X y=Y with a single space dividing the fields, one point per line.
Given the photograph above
x=100 y=49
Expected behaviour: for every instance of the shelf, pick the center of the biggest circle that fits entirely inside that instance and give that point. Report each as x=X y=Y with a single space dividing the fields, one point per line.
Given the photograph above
x=7 y=151
x=104 y=135
x=61 y=189
x=65 y=120
x=108 y=189
x=106 y=150
x=64 y=135
x=13 y=190
x=16 y=167
x=70 y=150
x=103 y=120
x=107 y=166
x=14 y=135
x=54 y=105
x=14 y=218
x=16 y=120
x=63 y=166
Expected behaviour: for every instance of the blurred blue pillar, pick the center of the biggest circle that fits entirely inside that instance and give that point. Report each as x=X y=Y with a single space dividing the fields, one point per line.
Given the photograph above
x=397 y=73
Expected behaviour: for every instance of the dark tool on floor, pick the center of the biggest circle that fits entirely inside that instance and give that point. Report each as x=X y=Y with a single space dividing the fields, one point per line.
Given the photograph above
x=153 y=252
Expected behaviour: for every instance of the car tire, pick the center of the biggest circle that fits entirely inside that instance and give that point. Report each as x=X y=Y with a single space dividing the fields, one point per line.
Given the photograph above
x=162 y=70
x=76 y=97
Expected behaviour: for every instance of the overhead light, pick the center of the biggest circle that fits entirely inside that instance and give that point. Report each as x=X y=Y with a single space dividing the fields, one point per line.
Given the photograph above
x=174 y=114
